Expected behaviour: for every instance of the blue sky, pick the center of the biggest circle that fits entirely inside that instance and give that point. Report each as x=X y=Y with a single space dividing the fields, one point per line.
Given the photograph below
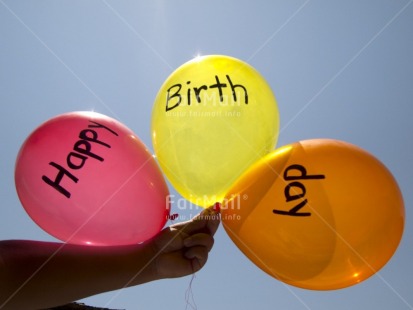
x=339 y=69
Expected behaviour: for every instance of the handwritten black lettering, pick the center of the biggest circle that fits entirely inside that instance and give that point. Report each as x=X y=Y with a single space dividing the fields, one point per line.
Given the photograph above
x=174 y=98
x=56 y=183
x=77 y=157
x=296 y=190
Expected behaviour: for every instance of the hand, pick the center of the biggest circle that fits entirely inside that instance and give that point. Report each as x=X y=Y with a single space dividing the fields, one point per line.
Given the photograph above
x=182 y=249
x=70 y=272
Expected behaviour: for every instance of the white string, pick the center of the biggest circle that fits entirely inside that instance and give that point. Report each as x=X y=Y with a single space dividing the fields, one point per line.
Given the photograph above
x=189 y=295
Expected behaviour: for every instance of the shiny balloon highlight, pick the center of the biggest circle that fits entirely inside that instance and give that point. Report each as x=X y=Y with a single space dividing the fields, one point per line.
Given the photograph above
x=317 y=214
x=212 y=118
x=87 y=179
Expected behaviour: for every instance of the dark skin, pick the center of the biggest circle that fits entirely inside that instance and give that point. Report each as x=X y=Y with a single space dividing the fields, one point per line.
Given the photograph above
x=36 y=275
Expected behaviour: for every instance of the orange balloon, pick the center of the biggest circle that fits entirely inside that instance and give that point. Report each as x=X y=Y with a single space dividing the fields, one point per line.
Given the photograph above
x=317 y=214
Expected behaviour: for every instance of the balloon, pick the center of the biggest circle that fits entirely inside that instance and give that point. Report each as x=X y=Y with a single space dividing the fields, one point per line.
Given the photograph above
x=212 y=118
x=87 y=179
x=317 y=214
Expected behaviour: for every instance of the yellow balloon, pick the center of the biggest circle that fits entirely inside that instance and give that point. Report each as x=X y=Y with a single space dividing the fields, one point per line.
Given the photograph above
x=317 y=214
x=212 y=118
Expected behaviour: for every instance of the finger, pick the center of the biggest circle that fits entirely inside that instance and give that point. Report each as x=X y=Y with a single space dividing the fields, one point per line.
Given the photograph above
x=182 y=266
x=170 y=239
x=198 y=256
x=200 y=239
x=214 y=218
x=207 y=221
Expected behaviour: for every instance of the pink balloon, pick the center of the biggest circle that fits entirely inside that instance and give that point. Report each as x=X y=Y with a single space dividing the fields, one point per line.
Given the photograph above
x=87 y=179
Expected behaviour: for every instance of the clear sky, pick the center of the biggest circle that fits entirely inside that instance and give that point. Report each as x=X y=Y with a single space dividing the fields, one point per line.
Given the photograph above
x=339 y=69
